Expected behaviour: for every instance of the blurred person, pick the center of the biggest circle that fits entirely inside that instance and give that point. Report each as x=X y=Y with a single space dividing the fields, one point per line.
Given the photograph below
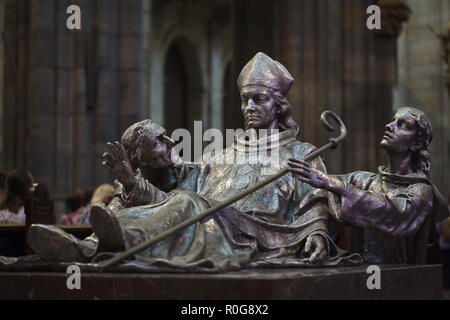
x=18 y=184
x=102 y=195
x=74 y=204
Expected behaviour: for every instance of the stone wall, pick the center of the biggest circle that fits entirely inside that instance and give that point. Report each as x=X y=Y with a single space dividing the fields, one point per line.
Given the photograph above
x=337 y=64
x=69 y=91
x=421 y=79
x=201 y=32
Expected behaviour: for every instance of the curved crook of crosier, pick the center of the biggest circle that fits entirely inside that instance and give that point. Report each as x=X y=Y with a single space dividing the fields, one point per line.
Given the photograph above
x=343 y=130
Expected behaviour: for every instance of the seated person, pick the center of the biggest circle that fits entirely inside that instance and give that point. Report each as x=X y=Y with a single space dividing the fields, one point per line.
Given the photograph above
x=18 y=184
x=396 y=206
x=87 y=196
x=102 y=195
x=74 y=204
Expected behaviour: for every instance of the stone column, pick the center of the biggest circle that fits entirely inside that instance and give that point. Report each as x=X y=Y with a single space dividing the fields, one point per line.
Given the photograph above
x=310 y=46
x=65 y=107
x=41 y=91
x=68 y=92
x=393 y=14
x=107 y=101
x=358 y=149
x=133 y=62
x=421 y=79
x=330 y=72
x=289 y=49
x=15 y=125
x=121 y=67
x=253 y=31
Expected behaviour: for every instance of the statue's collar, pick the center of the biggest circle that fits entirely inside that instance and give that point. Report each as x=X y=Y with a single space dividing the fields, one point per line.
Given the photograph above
x=417 y=177
x=410 y=178
x=273 y=141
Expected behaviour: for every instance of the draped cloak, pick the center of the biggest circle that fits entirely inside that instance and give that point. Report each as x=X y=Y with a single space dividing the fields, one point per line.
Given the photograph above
x=391 y=215
x=265 y=229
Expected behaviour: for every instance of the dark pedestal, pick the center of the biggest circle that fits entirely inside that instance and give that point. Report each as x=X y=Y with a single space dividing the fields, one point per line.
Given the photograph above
x=412 y=282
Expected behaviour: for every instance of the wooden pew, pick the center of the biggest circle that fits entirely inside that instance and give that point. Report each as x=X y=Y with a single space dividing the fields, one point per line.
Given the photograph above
x=12 y=240
x=39 y=208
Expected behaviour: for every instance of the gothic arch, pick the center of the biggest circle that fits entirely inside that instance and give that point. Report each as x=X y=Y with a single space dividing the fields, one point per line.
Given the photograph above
x=193 y=77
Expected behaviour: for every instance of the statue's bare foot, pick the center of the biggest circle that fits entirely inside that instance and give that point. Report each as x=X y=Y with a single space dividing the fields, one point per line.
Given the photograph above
x=53 y=244
x=107 y=228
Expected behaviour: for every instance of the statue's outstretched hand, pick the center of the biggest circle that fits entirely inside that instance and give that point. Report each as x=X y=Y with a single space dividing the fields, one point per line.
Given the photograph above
x=306 y=173
x=314 y=177
x=120 y=166
x=315 y=245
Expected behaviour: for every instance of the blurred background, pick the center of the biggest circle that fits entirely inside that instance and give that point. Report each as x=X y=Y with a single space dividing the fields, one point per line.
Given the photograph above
x=65 y=93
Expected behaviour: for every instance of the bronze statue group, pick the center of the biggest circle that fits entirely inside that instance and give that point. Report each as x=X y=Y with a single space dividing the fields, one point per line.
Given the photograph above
x=283 y=224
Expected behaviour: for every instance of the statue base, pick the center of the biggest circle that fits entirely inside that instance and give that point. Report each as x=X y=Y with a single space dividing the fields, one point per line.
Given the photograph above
x=397 y=282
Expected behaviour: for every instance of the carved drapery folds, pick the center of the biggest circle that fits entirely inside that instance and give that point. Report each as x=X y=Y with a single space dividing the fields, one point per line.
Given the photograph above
x=393 y=14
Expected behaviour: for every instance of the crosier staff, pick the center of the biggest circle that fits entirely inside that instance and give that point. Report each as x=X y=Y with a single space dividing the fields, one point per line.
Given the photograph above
x=332 y=144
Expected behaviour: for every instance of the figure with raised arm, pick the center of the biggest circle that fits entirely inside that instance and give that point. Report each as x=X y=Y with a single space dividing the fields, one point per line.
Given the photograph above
x=144 y=171
x=282 y=224
x=391 y=211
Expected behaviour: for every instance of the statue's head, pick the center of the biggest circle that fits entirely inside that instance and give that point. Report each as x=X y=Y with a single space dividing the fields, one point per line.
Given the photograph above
x=410 y=131
x=263 y=84
x=147 y=144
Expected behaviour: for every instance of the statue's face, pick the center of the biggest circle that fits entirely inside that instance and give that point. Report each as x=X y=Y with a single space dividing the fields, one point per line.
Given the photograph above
x=258 y=107
x=155 y=149
x=401 y=132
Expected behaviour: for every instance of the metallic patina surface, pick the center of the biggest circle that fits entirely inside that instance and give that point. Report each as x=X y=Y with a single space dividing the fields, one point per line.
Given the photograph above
x=394 y=214
x=281 y=224
x=392 y=211
x=269 y=227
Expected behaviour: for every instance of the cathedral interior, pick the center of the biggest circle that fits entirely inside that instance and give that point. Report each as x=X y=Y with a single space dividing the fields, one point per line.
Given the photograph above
x=65 y=92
